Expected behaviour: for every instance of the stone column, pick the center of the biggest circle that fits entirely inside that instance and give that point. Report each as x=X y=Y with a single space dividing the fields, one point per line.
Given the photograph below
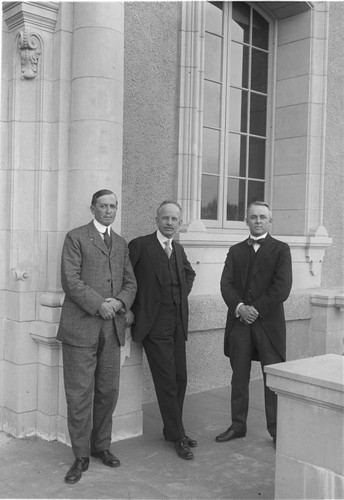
x=310 y=427
x=96 y=115
x=62 y=113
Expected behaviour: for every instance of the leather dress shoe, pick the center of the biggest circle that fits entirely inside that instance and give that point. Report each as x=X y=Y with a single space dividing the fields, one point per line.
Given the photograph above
x=107 y=457
x=79 y=466
x=192 y=443
x=182 y=449
x=228 y=435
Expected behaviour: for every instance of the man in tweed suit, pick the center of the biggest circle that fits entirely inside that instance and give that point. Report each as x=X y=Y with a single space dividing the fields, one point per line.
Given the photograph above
x=99 y=285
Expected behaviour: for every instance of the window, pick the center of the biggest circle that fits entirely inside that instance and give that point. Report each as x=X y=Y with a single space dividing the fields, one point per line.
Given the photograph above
x=236 y=100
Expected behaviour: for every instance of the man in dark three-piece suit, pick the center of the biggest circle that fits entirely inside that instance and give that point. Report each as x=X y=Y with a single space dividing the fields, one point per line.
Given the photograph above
x=164 y=280
x=256 y=280
x=100 y=286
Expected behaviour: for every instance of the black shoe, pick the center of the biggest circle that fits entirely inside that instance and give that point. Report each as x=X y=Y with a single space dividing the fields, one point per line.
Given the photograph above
x=192 y=443
x=228 y=435
x=182 y=449
x=107 y=457
x=79 y=466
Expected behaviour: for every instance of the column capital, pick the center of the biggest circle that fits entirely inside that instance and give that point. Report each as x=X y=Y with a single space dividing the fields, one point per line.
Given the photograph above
x=30 y=15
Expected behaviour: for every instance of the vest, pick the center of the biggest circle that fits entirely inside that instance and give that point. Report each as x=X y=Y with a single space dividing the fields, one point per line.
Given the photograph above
x=170 y=281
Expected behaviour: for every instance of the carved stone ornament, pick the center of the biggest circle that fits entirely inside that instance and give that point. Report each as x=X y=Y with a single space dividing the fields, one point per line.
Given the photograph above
x=30 y=50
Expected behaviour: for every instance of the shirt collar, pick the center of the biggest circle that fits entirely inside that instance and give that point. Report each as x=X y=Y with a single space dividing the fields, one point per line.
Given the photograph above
x=101 y=228
x=163 y=238
x=258 y=237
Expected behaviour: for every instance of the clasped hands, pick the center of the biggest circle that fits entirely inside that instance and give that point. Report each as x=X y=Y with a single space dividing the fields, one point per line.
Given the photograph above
x=248 y=314
x=111 y=307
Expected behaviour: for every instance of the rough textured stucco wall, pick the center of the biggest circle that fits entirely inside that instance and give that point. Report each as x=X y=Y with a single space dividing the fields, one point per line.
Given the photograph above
x=151 y=89
x=333 y=267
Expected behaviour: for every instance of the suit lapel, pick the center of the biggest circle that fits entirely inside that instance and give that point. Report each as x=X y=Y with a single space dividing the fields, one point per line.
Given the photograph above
x=96 y=238
x=179 y=261
x=114 y=243
x=262 y=254
x=244 y=258
x=154 y=251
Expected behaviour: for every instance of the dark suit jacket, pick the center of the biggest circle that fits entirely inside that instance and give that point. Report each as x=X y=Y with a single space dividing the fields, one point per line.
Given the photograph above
x=145 y=257
x=271 y=282
x=88 y=276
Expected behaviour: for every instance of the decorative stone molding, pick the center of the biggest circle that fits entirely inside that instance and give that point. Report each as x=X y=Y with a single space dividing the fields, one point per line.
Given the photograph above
x=30 y=49
x=38 y=15
x=317 y=242
x=50 y=299
x=20 y=274
x=191 y=109
x=329 y=298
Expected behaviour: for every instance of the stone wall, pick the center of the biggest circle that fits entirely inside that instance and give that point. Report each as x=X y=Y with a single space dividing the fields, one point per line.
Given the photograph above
x=333 y=268
x=150 y=131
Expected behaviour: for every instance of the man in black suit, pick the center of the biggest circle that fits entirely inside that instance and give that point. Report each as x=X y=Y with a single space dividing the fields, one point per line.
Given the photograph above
x=256 y=280
x=164 y=279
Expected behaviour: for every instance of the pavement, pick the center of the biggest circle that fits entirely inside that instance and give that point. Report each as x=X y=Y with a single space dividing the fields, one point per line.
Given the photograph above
x=150 y=469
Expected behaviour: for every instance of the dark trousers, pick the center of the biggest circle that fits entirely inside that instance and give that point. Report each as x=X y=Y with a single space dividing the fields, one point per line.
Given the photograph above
x=165 y=350
x=243 y=340
x=91 y=379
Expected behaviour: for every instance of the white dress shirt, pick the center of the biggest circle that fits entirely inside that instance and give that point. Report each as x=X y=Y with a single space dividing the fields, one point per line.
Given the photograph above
x=162 y=239
x=101 y=229
x=255 y=248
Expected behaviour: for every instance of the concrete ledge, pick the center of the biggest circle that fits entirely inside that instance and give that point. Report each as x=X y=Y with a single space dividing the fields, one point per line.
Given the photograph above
x=310 y=427
x=319 y=379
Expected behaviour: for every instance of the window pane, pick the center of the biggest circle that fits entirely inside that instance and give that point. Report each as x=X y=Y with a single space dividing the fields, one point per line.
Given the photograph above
x=239 y=65
x=214 y=17
x=213 y=57
x=212 y=104
x=235 y=199
x=256 y=164
x=241 y=22
x=258 y=115
x=238 y=110
x=255 y=191
x=260 y=31
x=209 y=201
x=237 y=155
x=259 y=75
x=211 y=150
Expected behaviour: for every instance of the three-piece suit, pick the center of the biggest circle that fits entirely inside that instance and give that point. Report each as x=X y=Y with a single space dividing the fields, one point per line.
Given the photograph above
x=91 y=273
x=263 y=280
x=161 y=322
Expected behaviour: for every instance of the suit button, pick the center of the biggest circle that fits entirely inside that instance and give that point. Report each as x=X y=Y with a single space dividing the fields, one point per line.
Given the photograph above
x=109 y=281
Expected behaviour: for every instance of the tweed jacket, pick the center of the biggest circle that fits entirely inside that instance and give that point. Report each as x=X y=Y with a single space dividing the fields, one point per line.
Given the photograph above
x=89 y=275
x=270 y=285
x=145 y=257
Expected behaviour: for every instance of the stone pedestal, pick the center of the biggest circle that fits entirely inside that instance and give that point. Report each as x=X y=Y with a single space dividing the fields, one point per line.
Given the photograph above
x=310 y=428
x=327 y=325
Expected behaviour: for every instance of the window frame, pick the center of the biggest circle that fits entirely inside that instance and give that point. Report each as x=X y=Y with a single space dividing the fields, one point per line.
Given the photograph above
x=221 y=222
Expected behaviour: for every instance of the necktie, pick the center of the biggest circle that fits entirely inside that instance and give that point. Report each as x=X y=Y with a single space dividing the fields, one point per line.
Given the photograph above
x=251 y=241
x=167 y=248
x=107 y=240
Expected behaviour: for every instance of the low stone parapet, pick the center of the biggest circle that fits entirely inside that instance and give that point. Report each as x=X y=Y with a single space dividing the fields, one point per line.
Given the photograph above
x=310 y=427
